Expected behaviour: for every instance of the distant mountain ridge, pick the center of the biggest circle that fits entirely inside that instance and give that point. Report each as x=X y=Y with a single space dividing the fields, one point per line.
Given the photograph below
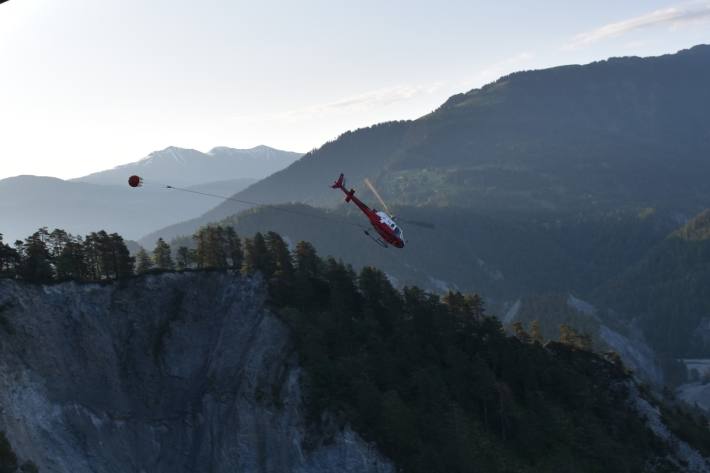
x=103 y=200
x=184 y=167
x=30 y=202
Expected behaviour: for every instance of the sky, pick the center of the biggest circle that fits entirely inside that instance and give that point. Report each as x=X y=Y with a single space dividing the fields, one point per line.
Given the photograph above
x=86 y=85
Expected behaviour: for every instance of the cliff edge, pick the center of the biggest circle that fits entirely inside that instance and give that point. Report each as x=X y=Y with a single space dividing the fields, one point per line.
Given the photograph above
x=179 y=372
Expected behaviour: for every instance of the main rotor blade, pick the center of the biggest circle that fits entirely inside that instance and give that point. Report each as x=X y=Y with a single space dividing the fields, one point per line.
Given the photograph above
x=418 y=223
x=374 y=191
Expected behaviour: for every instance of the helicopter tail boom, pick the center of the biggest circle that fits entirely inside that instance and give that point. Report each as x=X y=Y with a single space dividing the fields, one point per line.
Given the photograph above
x=339 y=184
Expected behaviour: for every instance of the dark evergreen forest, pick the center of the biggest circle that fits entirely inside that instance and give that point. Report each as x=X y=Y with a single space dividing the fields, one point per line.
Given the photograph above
x=433 y=380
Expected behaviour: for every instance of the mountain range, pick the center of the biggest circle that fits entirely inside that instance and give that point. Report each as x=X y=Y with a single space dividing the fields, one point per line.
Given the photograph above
x=189 y=167
x=624 y=133
x=104 y=201
x=569 y=180
x=573 y=180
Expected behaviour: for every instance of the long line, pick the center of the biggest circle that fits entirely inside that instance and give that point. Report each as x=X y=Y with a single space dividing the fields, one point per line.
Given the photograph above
x=248 y=202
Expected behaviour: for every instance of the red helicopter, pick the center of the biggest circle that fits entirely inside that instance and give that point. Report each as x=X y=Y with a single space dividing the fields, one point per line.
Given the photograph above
x=383 y=224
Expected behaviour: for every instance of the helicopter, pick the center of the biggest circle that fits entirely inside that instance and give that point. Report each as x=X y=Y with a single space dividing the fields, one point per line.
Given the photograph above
x=388 y=232
x=384 y=224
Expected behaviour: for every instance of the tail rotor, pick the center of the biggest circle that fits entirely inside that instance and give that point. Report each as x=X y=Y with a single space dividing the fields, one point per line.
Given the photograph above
x=340 y=183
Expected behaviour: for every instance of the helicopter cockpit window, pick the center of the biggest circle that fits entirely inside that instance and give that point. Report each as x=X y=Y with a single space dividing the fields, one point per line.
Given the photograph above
x=397 y=231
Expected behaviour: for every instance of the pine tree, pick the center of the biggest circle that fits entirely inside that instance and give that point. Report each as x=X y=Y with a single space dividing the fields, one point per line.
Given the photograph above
x=520 y=332
x=309 y=291
x=568 y=335
x=454 y=301
x=35 y=260
x=92 y=257
x=107 y=256
x=584 y=342
x=185 y=258
x=122 y=260
x=466 y=308
x=211 y=251
x=248 y=266
x=279 y=255
x=536 y=333
x=233 y=248
x=56 y=242
x=201 y=247
x=70 y=263
x=307 y=261
x=9 y=260
x=379 y=299
x=162 y=257
x=143 y=261
x=475 y=305
x=257 y=257
x=218 y=247
x=615 y=359
x=281 y=282
x=344 y=296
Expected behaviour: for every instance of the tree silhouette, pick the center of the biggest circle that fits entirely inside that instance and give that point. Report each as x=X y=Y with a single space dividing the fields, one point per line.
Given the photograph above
x=257 y=256
x=143 y=261
x=185 y=258
x=212 y=247
x=233 y=248
x=35 y=260
x=162 y=257
x=70 y=263
x=520 y=332
x=307 y=261
x=9 y=260
x=535 y=332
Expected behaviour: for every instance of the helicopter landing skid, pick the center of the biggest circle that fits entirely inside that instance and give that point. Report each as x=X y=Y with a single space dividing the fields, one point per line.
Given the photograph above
x=378 y=240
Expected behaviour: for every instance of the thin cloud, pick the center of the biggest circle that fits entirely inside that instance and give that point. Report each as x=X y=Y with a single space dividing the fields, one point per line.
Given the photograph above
x=497 y=69
x=382 y=98
x=366 y=101
x=675 y=16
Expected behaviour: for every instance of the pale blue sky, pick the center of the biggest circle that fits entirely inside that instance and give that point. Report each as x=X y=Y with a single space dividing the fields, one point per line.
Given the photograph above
x=89 y=84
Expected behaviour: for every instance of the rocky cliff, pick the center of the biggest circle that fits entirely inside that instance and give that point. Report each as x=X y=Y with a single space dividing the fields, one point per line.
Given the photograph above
x=183 y=372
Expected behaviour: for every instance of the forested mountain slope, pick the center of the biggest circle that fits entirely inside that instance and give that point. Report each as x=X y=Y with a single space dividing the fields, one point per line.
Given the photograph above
x=666 y=292
x=622 y=133
x=503 y=257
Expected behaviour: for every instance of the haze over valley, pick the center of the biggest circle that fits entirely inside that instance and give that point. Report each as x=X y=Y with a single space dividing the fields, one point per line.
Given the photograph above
x=104 y=200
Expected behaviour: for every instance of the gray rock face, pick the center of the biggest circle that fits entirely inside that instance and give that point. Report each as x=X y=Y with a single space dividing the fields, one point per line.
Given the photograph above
x=695 y=394
x=682 y=455
x=167 y=373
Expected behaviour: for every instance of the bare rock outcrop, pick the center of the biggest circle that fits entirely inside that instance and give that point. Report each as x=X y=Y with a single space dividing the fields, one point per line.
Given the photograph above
x=179 y=372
